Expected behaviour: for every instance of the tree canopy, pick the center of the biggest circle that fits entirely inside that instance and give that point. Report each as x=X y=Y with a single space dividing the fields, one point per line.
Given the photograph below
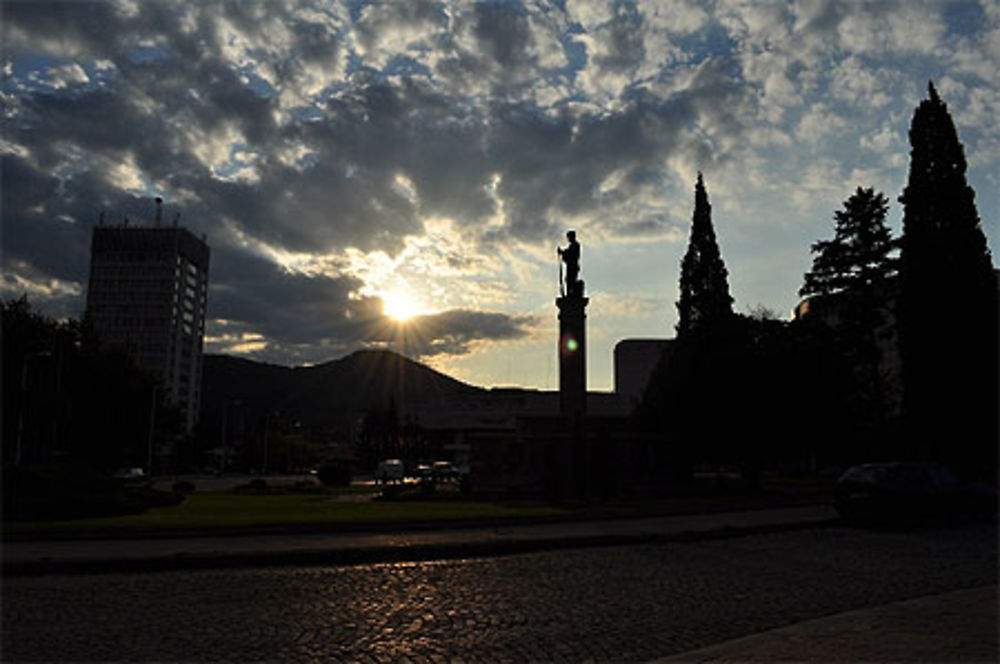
x=705 y=302
x=948 y=300
x=857 y=259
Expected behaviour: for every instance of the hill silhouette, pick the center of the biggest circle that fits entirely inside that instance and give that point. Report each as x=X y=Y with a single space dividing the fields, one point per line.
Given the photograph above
x=325 y=398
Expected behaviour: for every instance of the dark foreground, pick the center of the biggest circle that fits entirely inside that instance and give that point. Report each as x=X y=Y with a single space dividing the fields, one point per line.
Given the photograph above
x=608 y=604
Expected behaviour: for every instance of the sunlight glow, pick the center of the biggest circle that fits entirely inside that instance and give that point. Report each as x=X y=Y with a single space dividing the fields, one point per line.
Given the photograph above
x=400 y=305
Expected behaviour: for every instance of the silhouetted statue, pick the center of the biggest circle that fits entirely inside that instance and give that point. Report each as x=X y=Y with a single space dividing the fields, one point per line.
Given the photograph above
x=571 y=256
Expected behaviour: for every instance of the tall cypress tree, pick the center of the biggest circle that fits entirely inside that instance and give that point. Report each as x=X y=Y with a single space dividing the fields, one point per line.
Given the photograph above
x=705 y=303
x=948 y=301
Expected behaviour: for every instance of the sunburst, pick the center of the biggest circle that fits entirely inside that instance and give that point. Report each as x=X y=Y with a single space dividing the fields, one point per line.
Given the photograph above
x=400 y=305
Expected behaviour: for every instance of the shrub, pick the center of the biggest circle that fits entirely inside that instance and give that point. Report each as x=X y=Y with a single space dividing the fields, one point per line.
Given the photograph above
x=334 y=473
x=64 y=491
x=391 y=491
x=258 y=484
x=183 y=487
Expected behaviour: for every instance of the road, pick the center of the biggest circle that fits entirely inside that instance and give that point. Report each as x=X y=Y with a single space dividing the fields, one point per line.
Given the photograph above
x=617 y=603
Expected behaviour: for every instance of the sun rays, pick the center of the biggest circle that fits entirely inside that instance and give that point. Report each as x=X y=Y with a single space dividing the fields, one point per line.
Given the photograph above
x=401 y=305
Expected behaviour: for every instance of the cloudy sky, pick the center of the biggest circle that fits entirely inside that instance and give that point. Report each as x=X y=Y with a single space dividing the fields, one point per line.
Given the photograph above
x=349 y=160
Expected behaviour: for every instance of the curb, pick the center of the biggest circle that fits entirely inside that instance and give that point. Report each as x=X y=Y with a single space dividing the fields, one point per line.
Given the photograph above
x=383 y=554
x=363 y=527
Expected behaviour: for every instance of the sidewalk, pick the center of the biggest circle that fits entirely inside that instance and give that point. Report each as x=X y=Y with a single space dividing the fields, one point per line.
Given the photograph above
x=129 y=555
x=958 y=626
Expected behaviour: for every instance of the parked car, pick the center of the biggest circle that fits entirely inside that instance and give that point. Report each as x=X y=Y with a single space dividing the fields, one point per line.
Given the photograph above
x=421 y=471
x=901 y=493
x=130 y=473
x=444 y=470
x=389 y=470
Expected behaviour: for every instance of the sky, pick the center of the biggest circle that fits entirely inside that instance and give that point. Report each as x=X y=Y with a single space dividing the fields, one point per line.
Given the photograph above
x=353 y=163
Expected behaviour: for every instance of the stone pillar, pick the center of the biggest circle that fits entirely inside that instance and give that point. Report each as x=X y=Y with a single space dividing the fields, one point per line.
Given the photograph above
x=572 y=357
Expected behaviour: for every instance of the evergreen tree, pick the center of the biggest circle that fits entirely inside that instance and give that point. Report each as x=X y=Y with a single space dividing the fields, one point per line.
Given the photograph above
x=704 y=374
x=856 y=261
x=851 y=275
x=705 y=303
x=948 y=301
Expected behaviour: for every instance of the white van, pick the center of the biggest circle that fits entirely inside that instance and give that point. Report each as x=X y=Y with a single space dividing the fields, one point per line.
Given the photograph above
x=389 y=470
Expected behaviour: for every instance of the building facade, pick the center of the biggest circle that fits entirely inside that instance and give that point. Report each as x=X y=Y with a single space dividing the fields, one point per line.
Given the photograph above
x=147 y=294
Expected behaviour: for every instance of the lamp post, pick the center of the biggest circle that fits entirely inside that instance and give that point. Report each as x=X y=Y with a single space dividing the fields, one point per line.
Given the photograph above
x=267 y=423
x=24 y=395
x=225 y=441
x=152 y=424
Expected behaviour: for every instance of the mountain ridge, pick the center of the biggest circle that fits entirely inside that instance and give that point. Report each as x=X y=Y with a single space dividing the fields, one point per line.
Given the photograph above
x=326 y=398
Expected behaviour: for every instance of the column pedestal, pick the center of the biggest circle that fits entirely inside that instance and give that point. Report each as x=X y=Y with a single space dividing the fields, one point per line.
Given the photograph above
x=572 y=357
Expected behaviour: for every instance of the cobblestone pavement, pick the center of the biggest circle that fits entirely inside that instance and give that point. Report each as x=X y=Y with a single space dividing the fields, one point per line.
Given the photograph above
x=606 y=604
x=957 y=626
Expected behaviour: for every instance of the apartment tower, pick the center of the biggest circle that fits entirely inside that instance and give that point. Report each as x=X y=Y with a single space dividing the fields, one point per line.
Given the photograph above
x=147 y=293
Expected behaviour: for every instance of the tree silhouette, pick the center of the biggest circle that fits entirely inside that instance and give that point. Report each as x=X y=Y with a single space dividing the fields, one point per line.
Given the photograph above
x=856 y=261
x=851 y=277
x=67 y=398
x=948 y=301
x=705 y=303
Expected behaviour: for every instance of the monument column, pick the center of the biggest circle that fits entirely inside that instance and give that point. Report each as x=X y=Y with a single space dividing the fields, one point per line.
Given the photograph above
x=572 y=356
x=572 y=335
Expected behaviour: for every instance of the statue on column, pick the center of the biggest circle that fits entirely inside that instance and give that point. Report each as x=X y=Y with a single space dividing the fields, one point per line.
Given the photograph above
x=571 y=256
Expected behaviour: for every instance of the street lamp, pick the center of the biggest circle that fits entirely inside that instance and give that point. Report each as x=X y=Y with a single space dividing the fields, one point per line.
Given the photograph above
x=24 y=398
x=267 y=426
x=225 y=442
x=152 y=423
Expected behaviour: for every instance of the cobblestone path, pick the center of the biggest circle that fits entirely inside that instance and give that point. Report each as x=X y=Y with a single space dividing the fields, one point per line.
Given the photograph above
x=606 y=604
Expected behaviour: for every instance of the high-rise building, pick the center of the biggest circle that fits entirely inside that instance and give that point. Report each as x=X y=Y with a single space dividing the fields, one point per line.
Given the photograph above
x=147 y=294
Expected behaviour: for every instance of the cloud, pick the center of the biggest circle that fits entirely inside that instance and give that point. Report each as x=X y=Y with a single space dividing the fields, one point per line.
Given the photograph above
x=331 y=152
x=455 y=332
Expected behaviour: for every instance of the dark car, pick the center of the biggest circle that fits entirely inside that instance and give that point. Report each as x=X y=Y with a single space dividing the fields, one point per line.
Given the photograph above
x=444 y=470
x=903 y=493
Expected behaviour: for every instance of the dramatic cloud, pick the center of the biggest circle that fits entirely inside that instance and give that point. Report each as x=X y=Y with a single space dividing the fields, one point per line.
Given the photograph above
x=341 y=155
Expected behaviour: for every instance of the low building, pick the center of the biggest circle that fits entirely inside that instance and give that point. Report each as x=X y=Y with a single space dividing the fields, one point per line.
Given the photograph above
x=635 y=361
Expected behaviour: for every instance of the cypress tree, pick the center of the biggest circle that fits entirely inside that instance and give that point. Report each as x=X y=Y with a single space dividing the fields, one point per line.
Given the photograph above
x=948 y=302
x=852 y=274
x=705 y=303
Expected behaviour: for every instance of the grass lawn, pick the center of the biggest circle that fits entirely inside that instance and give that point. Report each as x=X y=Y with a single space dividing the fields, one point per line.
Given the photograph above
x=215 y=512
x=219 y=511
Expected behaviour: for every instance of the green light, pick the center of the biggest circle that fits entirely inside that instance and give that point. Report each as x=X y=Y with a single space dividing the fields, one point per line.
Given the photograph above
x=571 y=345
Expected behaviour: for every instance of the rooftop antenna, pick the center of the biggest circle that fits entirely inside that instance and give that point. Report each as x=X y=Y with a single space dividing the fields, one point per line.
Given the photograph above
x=177 y=217
x=125 y=222
x=100 y=218
x=159 y=211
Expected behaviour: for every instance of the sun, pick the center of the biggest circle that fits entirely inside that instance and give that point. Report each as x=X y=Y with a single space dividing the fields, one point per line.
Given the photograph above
x=400 y=305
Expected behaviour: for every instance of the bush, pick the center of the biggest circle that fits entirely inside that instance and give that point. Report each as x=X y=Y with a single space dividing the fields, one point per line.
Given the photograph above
x=64 y=491
x=334 y=473
x=391 y=491
x=183 y=487
x=465 y=484
x=258 y=484
x=154 y=498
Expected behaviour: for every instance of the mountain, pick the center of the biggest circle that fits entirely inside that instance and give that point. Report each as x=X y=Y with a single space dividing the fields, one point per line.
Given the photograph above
x=326 y=398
